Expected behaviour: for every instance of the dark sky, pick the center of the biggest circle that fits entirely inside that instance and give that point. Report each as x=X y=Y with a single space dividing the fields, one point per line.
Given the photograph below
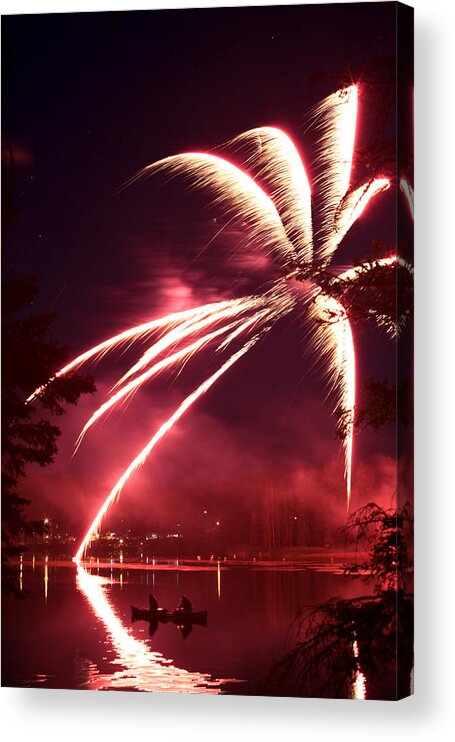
x=88 y=99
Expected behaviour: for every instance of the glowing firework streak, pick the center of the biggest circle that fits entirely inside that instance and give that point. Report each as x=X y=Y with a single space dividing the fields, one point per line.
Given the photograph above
x=353 y=273
x=336 y=119
x=348 y=392
x=272 y=156
x=161 y=432
x=357 y=270
x=408 y=191
x=244 y=326
x=333 y=340
x=235 y=194
x=355 y=203
x=133 y=333
x=189 y=328
x=172 y=360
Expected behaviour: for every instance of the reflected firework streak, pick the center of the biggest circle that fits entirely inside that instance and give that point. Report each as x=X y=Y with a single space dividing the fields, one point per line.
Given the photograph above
x=359 y=690
x=142 y=669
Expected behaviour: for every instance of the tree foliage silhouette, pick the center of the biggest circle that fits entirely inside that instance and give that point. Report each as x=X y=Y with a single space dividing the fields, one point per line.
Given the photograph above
x=369 y=638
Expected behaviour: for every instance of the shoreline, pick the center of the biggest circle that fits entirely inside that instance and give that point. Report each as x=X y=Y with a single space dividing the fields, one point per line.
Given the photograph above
x=311 y=560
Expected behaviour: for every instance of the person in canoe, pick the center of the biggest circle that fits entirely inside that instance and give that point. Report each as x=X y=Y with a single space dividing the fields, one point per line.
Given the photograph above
x=185 y=605
x=153 y=604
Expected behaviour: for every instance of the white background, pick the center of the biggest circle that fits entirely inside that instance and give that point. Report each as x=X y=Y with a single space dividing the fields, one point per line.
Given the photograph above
x=49 y=715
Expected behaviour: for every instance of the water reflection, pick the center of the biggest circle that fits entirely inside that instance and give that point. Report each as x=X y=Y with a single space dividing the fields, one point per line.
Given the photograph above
x=359 y=690
x=342 y=642
x=46 y=578
x=141 y=668
x=82 y=635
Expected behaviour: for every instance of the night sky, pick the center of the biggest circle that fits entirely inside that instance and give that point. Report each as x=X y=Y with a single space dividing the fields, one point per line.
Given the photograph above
x=88 y=99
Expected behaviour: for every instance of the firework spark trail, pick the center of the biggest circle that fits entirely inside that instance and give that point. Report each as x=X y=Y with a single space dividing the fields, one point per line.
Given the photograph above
x=172 y=360
x=354 y=204
x=335 y=118
x=333 y=340
x=246 y=325
x=408 y=191
x=235 y=194
x=272 y=157
x=161 y=432
x=132 y=334
x=353 y=273
x=357 y=270
x=190 y=327
x=348 y=396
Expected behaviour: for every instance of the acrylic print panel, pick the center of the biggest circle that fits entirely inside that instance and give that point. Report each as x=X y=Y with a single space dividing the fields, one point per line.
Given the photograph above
x=216 y=206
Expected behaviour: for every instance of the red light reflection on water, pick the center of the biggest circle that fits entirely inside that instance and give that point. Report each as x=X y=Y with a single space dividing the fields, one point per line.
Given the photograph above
x=359 y=690
x=141 y=668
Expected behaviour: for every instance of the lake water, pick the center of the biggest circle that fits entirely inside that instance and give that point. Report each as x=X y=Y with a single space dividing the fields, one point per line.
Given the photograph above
x=73 y=629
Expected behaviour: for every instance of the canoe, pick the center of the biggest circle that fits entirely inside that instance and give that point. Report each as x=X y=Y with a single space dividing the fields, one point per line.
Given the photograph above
x=162 y=615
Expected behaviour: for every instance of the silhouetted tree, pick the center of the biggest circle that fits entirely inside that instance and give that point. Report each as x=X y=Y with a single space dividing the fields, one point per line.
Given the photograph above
x=30 y=358
x=362 y=645
x=370 y=295
x=381 y=403
x=383 y=295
